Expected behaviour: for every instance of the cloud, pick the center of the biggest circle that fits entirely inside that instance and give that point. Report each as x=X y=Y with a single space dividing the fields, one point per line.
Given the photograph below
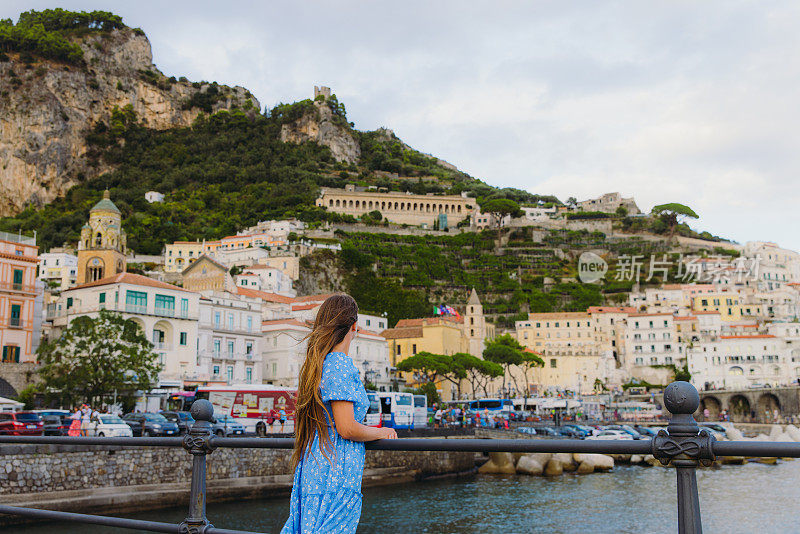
x=691 y=102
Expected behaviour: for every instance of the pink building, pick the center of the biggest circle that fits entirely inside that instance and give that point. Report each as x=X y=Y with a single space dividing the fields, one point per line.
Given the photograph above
x=19 y=256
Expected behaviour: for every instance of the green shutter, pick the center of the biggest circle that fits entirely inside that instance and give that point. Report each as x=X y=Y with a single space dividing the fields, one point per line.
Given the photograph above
x=17 y=277
x=102 y=298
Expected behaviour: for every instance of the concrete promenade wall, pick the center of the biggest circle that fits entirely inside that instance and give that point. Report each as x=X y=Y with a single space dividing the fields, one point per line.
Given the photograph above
x=112 y=479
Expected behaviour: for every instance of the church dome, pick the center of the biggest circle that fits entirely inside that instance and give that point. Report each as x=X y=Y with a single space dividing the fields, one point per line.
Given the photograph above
x=105 y=204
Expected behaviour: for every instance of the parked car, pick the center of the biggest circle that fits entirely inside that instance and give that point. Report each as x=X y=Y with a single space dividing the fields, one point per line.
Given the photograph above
x=582 y=431
x=626 y=428
x=610 y=435
x=227 y=426
x=21 y=424
x=56 y=425
x=526 y=430
x=547 y=431
x=108 y=425
x=184 y=420
x=150 y=424
x=646 y=431
x=569 y=432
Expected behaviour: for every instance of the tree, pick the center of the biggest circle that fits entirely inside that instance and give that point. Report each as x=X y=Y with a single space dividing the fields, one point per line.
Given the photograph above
x=506 y=351
x=95 y=357
x=476 y=371
x=572 y=202
x=434 y=367
x=528 y=361
x=499 y=208
x=673 y=214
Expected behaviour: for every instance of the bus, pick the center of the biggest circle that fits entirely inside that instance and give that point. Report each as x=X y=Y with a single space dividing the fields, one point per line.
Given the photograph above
x=373 y=417
x=397 y=409
x=420 y=411
x=254 y=405
x=493 y=405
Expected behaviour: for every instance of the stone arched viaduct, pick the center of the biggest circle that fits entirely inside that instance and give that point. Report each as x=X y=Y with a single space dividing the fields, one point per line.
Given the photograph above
x=750 y=405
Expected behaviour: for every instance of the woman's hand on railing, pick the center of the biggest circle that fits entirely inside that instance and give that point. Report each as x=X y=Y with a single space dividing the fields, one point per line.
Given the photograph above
x=387 y=433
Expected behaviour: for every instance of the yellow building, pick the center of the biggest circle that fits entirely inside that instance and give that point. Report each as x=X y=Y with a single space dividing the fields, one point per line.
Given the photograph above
x=180 y=254
x=207 y=274
x=731 y=306
x=102 y=248
x=567 y=344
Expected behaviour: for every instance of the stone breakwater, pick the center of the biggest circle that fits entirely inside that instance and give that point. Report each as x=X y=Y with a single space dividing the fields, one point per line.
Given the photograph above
x=80 y=478
x=547 y=464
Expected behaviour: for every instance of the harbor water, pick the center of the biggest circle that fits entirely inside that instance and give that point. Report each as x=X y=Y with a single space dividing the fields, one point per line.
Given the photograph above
x=630 y=499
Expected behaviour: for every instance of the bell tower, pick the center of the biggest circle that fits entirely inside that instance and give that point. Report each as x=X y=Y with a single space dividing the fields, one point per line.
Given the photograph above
x=101 y=251
x=475 y=325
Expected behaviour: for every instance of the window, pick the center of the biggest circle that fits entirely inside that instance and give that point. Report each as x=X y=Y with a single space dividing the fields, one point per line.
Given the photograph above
x=69 y=302
x=16 y=310
x=11 y=354
x=17 y=279
x=413 y=349
x=165 y=305
x=398 y=350
x=183 y=337
x=230 y=373
x=217 y=349
x=217 y=318
x=248 y=373
x=215 y=369
x=249 y=323
x=230 y=348
x=184 y=307
x=136 y=301
x=274 y=369
x=230 y=321
x=102 y=298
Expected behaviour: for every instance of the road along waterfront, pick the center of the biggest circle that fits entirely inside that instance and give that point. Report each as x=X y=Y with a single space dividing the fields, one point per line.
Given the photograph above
x=733 y=499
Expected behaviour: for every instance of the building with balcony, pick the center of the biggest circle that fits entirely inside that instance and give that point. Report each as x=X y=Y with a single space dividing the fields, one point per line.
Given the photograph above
x=265 y=278
x=58 y=268
x=167 y=314
x=20 y=324
x=229 y=339
x=397 y=207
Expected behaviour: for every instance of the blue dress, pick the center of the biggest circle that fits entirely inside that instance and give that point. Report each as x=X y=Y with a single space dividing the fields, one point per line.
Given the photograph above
x=326 y=495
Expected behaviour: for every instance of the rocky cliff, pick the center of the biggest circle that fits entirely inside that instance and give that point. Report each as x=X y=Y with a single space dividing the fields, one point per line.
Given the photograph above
x=47 y=108
x=322 y=127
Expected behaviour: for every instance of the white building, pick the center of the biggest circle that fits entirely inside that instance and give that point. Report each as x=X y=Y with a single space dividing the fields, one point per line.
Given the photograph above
x=58 y=269
x=167 y=314
x=285 y=347
x=265 y=278
x=229 y=345
x=539 y=214
x=154 y=196
x=741 y=361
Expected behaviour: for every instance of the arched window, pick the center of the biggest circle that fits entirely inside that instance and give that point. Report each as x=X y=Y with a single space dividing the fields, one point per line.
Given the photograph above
x=383 y=205
x=330 y=203
x=736 y=371
x=459 y=209
x=356 y=204
x=98 y=240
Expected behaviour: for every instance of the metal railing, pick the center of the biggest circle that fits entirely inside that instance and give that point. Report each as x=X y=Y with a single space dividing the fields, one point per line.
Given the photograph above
x=683 y=444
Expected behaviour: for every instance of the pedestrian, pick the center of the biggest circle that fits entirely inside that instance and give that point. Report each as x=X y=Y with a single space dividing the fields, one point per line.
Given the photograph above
x=329 y=439
x=271 y=418
x=706 y=414
x=86 y=417
x=437 y=418
x=75 y=425
x=282 y=415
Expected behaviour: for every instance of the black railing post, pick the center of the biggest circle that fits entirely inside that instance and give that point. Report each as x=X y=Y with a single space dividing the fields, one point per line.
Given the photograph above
x=198 y=442
x=686 y=446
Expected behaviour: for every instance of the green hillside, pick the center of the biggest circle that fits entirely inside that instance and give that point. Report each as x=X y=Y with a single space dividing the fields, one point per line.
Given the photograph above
x=227 y=172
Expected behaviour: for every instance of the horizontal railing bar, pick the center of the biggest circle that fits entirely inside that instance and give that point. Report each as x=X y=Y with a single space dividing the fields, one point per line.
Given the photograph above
x=82 y=440
x=119 y=522
x=771 y=449
x=721 y=448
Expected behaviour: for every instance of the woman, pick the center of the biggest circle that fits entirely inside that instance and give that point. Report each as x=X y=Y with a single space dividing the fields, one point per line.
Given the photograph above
x=329 y=439
x=75 y=425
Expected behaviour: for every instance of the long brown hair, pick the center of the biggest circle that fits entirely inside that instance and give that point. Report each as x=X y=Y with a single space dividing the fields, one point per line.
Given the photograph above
x=335 y=317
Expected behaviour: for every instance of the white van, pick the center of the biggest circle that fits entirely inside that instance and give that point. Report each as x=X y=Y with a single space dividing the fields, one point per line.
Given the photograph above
x=397 y=409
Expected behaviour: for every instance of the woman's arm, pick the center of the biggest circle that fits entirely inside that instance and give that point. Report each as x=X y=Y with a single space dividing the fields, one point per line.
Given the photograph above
x=348 y=428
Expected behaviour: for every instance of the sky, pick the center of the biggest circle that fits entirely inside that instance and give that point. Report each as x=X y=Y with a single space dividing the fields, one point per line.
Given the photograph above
x=664 y=101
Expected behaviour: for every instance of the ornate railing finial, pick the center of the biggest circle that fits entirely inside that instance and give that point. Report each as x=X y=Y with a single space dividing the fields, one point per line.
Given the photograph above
x=685 y=446
x=198 y=442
